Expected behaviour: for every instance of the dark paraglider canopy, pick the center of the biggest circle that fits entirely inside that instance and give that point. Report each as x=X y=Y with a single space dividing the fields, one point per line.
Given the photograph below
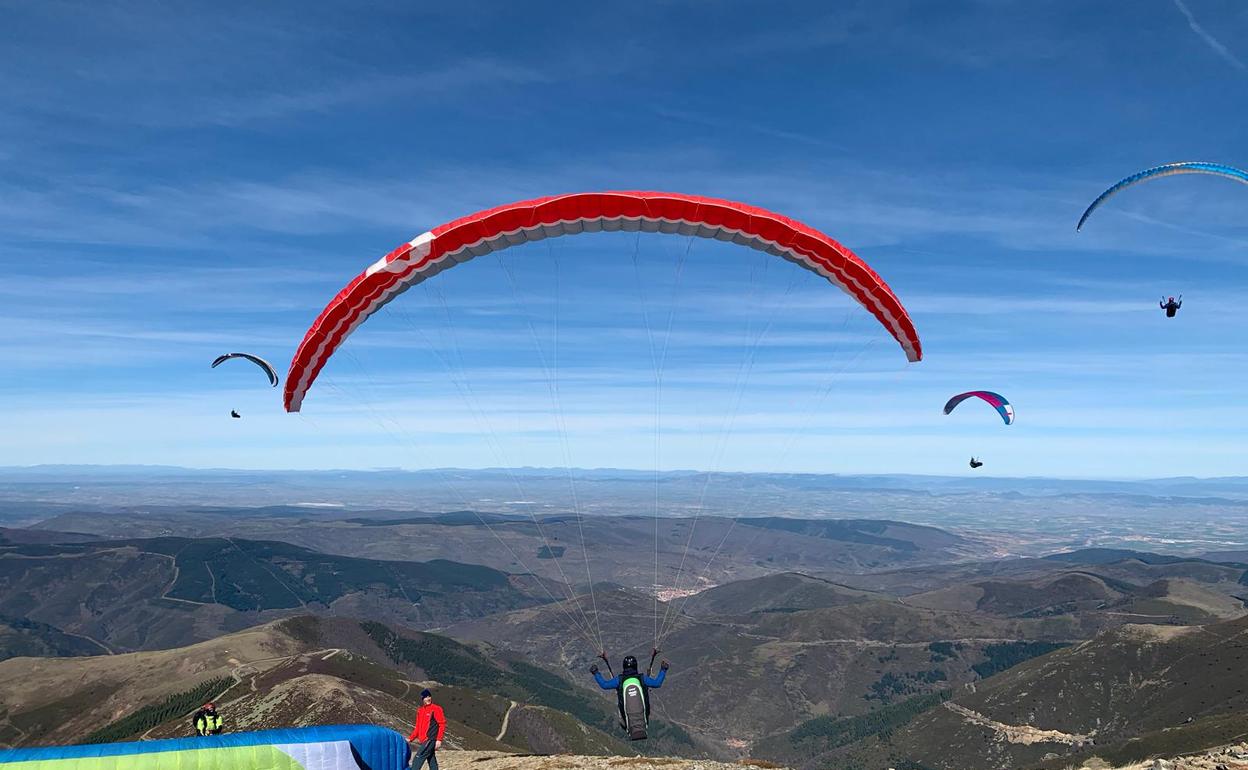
x=257 y=360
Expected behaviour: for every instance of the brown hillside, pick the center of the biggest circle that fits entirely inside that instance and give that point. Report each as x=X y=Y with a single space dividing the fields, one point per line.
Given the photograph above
x=298 y=672
x=1126 y=696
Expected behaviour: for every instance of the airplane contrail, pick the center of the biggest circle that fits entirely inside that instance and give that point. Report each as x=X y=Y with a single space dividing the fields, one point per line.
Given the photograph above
x=1210 y=40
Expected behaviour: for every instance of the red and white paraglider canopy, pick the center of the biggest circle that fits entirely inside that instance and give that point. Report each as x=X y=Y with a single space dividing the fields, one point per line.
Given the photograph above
x=652 y=212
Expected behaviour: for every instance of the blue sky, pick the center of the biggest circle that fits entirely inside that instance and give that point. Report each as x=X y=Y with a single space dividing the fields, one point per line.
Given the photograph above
x=179 y=180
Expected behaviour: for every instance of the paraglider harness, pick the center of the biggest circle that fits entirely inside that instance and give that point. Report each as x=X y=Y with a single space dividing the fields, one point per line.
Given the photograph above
x=633 y=696
x=1171 y=306
x=975 y=463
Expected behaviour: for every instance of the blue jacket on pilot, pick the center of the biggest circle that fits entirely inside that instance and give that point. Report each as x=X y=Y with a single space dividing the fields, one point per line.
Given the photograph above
x=615 y=681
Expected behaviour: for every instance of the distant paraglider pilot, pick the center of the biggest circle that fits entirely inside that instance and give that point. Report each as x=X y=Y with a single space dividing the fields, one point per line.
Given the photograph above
x=235 y=414
x=975 y=463
x=429 y=728
x=632 y=692
x=207 y=721
x=1171 y=305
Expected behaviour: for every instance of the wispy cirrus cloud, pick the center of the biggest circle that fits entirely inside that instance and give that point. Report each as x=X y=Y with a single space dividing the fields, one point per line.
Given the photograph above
x=231 y=110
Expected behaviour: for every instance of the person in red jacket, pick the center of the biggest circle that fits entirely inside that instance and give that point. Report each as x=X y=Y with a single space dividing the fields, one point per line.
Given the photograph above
x=429 y=728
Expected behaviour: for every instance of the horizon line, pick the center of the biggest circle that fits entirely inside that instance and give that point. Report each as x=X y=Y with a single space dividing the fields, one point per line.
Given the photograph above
x=567 y=469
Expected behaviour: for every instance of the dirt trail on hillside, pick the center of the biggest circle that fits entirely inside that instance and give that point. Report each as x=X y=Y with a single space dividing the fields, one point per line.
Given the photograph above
x=506 y=719
x=1024 y=734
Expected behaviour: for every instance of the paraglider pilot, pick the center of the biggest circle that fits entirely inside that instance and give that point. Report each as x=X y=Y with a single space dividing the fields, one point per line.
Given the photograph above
x=630 y=677
x=975 y=463
x=1171 y=306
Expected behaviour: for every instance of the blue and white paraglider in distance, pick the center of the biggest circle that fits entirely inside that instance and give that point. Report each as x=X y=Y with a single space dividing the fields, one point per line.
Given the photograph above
x=1169 y=169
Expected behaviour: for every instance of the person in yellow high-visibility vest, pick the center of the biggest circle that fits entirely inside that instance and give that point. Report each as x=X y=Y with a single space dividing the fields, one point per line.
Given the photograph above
x=208 y=721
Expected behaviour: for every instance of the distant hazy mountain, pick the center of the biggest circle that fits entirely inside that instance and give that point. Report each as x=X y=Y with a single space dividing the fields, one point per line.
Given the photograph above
x=79 y=598
x=373 y=487
x=1038 y=516
x=692 y=551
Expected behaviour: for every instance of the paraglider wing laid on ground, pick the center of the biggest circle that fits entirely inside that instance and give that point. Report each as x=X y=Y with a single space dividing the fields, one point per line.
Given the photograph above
x=269 y=371
x=1169 y=169
x=995 y=400
x=500 y=228
x=341 y=747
